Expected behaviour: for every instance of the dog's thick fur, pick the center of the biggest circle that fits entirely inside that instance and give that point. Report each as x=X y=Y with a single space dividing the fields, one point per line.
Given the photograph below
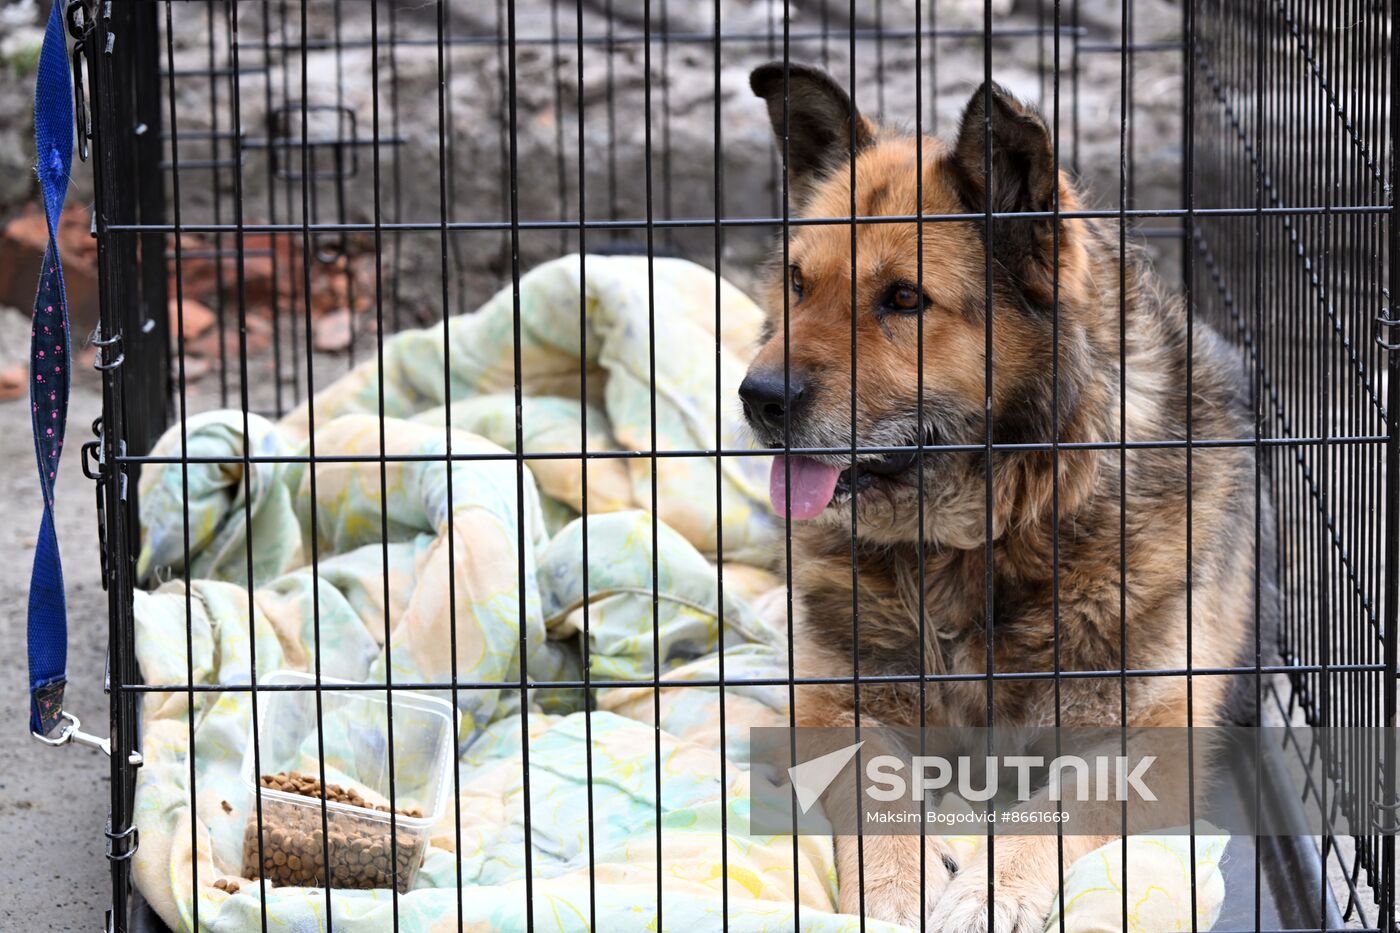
x=1033 y=309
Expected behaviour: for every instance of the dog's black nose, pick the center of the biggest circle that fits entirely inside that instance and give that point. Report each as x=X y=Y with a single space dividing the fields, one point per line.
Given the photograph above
x=767 y=397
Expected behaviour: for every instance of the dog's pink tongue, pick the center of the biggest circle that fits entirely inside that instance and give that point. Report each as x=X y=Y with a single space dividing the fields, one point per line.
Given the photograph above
x=813 y=483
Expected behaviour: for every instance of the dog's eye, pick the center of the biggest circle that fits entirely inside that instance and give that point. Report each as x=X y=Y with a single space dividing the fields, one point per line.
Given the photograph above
x=795 y=277
x=904 y=299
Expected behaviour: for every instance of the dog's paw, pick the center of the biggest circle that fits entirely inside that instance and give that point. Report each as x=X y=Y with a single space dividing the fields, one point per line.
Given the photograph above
x=894 y=900
x=898 y=894
x=1019 y=907
x=894 y=889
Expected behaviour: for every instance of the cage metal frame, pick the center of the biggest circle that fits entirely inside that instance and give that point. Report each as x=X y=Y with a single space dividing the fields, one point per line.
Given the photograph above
x=1242 y=122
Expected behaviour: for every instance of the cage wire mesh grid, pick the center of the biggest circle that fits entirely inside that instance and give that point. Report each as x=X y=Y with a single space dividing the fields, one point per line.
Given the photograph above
x=324 y=174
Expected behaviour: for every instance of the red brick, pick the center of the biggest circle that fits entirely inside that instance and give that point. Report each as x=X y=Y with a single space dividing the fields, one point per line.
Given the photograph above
x=198 y=319
x=22 y=243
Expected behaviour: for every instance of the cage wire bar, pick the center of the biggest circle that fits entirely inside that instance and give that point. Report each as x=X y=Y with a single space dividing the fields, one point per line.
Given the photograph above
x=1292 y=107
x=225 y=158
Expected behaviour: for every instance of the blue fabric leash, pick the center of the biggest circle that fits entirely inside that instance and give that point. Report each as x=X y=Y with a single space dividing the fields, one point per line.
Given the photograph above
x=49 y=379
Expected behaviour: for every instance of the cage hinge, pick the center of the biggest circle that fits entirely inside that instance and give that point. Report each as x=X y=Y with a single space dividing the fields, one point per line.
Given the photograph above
x=106 y=346
x=123 y=845
x=1387 y=319
x=1387 y=819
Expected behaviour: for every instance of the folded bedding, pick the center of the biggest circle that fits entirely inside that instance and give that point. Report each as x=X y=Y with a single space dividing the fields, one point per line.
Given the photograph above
x=425 y=547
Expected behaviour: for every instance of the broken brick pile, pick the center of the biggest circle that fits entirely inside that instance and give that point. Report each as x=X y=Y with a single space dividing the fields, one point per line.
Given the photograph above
x=272 y=284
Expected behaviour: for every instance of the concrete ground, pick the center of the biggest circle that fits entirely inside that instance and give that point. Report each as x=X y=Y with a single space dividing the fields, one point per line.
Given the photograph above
x=53 y=801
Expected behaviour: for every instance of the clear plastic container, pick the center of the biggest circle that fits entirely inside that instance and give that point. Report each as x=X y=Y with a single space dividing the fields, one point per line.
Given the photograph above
x=355 y=730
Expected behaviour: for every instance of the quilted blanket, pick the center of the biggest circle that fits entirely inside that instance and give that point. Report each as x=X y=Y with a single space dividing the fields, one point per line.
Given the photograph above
x=417 y=547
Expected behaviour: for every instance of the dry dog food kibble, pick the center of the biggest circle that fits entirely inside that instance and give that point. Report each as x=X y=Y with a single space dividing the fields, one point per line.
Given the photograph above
x=294 y=842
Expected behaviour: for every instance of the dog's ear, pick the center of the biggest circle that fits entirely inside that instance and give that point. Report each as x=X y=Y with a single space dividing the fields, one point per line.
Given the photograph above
x=1022 y=164
x=820 y=118
x=1022 y=177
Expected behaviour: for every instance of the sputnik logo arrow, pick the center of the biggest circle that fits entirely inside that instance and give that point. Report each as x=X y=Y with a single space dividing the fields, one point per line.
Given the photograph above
x=811 y=778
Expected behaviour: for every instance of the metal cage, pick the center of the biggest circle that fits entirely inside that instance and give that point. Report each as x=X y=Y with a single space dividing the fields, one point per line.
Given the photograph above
x=410 y=157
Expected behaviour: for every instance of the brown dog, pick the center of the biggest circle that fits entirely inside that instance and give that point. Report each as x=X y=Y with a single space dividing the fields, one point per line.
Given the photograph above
x=873 y=293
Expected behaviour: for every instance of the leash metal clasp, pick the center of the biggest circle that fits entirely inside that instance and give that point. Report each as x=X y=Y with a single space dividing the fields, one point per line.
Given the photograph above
x=80 y=110
x=72 y=732
x=79 y=19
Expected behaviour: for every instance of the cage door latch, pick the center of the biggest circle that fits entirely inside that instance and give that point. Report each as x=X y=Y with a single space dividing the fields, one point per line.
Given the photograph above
x=72 y=733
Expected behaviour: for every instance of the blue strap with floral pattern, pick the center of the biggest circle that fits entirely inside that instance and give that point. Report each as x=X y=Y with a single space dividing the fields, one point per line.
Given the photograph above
x=49 y=380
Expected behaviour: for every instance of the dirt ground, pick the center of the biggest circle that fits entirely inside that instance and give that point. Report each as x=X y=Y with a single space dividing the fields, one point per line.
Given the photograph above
x=53 y=801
